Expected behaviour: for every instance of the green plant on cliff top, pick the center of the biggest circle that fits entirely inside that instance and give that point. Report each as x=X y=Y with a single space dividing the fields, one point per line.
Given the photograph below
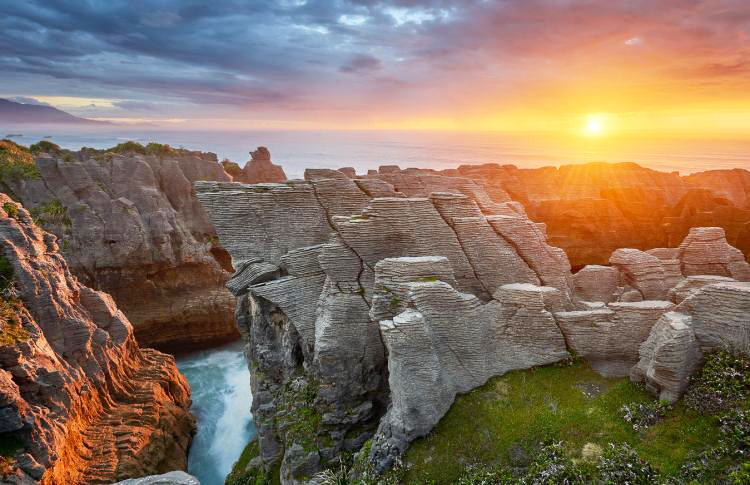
x=16 y=162
x=45 y=146
x=231 y=168
x=10 y=209
x=51 y=213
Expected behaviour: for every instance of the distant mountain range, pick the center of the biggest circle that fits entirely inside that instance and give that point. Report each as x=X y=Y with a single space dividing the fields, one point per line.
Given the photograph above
x=12 y=112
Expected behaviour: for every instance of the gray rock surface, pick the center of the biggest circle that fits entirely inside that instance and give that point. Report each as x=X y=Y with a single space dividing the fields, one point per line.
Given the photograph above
x=129 y=224
x=371 y=301
x=171 y=478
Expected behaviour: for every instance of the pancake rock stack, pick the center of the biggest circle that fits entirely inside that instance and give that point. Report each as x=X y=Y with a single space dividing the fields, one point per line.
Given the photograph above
x=368 y=302
x=260 y=169
x=129 y=224
x=78 y=397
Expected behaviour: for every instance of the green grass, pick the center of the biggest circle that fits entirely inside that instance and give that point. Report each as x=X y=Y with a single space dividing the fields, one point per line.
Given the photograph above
x=522 y=409
x=240 y=475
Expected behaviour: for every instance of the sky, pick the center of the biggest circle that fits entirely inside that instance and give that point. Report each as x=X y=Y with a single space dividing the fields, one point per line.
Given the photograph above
x=564 y=66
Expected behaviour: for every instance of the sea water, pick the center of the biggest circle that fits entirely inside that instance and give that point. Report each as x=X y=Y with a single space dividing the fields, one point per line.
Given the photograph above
x=220 y=381
x=298 y=150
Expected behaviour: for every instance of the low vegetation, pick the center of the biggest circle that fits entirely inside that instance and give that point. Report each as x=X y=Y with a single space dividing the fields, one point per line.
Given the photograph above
x=721 y=384
x=50 y=214
x=241 y=474
x=16 y=162
x=11 y=325
x=11 y=209
x=231 y=168
x=567 y=424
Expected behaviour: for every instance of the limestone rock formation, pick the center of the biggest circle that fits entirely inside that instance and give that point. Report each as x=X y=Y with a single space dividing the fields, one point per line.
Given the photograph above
x=310 y=307
x=84 y=402
x=705 y=251
x=368 y=302
x=128 y=223
x=593 y=209
x=171 y=478
x=260 y=169
x=714 y=317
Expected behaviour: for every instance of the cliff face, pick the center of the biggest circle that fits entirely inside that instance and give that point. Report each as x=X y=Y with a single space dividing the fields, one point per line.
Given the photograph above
x=78 y=397
x=368 y=303
x=128 y=223
x=592 y=209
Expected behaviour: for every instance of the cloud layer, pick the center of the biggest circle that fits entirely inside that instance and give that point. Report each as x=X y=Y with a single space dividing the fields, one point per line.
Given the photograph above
x=377 y=61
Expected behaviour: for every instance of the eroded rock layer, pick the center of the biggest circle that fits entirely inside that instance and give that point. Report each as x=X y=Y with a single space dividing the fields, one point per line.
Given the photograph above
x=84 y=403
x=129 y=224
x=369 y=302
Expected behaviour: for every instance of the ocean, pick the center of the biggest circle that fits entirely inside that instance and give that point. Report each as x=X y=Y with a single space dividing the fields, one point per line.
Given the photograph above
x=297 y=150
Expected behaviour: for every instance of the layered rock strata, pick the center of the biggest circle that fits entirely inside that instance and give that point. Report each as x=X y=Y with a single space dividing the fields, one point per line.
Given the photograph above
x=593 y=209
x=83 y=402
x=370 y=302
x=129 y=224
x=260 y=169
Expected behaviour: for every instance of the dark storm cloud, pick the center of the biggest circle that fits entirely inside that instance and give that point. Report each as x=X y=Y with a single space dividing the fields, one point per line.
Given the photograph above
x=249 y=53
x=361 y=62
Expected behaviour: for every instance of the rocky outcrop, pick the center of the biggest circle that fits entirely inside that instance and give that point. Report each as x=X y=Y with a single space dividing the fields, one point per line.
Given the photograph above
x=593 y=209
x=260 y=169
x=129 y=224
x=171 y=478
x=714 y=317
x=368 y=303
x=84 y=403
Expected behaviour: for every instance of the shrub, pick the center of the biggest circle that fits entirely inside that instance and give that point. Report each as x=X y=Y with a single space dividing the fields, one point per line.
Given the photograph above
x=128 y=147
x=645 y=414
x=551 y=465
x=735 y=431
x=10 y=209
x=741 y=475
x=478 y=475
x=45 y=146
x=621 y=464
x=722 y=383
x=231 y=168
x=53 y=212
x=16 y=162
x=719 y=463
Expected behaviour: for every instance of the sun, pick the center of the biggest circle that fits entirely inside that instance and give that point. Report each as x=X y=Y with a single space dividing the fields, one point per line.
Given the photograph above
x=594 y=125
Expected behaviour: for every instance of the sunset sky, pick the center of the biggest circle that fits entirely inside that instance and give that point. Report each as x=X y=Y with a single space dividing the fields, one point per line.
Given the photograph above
x=564 y=66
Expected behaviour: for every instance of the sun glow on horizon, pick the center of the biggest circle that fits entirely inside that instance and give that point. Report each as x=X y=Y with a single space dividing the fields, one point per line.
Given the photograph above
x=594 y=125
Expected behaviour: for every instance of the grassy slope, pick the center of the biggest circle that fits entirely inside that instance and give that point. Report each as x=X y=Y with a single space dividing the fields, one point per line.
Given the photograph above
x=523 y=408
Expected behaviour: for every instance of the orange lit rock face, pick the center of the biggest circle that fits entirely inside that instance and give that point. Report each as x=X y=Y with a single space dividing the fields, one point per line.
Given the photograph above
x=260 y=169
x=88 y=405
x=592 y=209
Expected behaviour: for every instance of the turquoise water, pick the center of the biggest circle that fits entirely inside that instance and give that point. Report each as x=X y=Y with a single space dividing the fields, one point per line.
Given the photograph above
x=220 y=381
